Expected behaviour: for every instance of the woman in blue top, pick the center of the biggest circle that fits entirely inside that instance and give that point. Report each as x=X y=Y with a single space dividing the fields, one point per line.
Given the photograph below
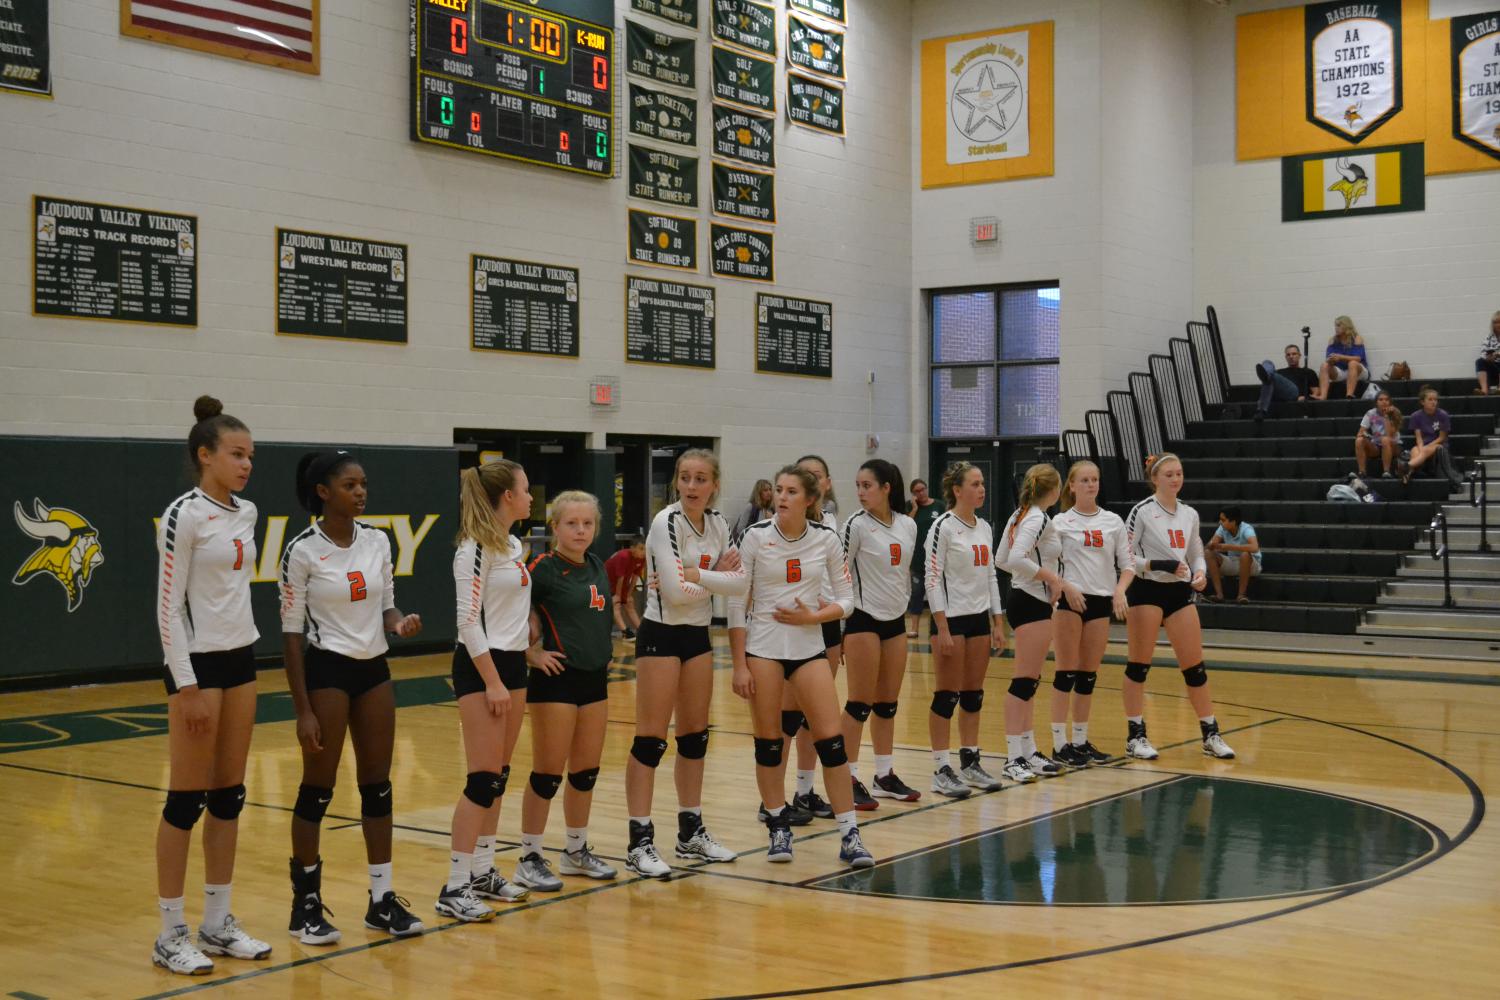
x=1345 y=358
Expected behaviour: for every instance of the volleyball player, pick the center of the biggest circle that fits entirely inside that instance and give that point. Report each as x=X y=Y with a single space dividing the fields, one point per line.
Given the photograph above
x=964 y=598
x=878 y=545
x=1169 y=567
x=689 y=559
x=1096 y=570
x=338 y=590
x=776 y=640
x=493 y=590
x=568 y=692
x=206 y=557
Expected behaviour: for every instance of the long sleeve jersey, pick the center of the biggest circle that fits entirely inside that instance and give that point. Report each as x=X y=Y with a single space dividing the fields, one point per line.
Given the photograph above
x=1027 y=545
x=338 y=596
x=779 y=572
x=494 y=597
x=673 y=543
x=205 y=560
x=960 y=577
x=879 y=557
x=1094 y=549
x=1157 y=535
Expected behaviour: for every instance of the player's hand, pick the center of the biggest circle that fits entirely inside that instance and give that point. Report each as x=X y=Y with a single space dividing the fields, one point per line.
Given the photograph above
x=1121 y=605
x=1074 y=596
x=691 y=574
x=408 y=626
x=743 y=682
x=998 y=640
x=1183 y=573
x=196 y=712
x=946 y=642
x=729 y=562
x=496 y=699
x=1199 y=582
x=548 y=661
x=309 y=733
x=800 y=614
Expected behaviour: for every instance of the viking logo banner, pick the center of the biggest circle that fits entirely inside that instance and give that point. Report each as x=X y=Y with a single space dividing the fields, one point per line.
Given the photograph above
x=69 y=548
x=1476 y=81
x=988 y=91
x=1337 y=185
x=1353 y=66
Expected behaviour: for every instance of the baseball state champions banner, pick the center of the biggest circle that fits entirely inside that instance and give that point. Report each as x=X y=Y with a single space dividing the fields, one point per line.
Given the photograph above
x=987 y=106
x=1476 y=81
x=1353 y=66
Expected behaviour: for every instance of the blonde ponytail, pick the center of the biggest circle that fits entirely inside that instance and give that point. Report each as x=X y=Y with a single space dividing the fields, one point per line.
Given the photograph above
x=1040 y=480
x=479 y=492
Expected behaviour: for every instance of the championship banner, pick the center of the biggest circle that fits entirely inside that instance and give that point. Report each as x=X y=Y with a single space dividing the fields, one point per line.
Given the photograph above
x=743 y=193
x=25 y=49
x=1353 y=66
x=670 y=178
x=1476 y=81
x=746 y=23
x=833 y=10
x=683 y=12
x=813 y=47
x=660 y=57
x=741 y=253
x=663 y=240
x=656 y=114
x=743 y=79
x=814 y=103
x=739 y=135
x=1338 y=185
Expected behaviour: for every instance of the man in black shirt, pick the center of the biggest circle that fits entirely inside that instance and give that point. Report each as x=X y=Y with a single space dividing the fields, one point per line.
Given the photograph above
x=1282 y=385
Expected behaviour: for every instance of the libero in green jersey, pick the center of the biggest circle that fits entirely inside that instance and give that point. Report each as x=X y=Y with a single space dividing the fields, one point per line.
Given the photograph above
x=572 y=601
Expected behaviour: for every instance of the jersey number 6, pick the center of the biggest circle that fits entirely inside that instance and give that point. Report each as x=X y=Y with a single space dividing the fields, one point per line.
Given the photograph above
x=793 y=570
x=357 y=591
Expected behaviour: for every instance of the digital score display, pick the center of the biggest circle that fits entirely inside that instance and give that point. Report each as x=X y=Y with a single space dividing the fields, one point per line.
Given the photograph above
x=518 y=80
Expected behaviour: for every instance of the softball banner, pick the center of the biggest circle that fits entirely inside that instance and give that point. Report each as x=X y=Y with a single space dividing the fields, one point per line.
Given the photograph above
x=1353 y=66
x=1337 y=185
x=1476 y=81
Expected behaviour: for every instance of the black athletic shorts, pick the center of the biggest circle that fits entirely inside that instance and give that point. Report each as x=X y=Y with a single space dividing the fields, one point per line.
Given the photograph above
x=967 y=626
x=1024 y=609
x=861 y=621
x=225 y=668
x=509 y=664
x=326 y=669
x=1094 y=606
x=681 y=641
x=833 y=634
x=790 y=666
x=1170 y=597
x=571 y=687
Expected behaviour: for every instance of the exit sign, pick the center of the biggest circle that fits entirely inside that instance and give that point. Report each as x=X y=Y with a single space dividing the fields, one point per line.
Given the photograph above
x=604 y=392
x=983 y=231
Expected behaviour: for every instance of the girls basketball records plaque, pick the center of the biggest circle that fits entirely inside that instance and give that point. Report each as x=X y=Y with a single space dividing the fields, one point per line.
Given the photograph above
x=530 y=81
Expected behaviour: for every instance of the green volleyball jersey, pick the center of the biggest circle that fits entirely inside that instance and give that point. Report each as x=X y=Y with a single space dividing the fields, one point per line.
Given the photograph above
x=572 y=600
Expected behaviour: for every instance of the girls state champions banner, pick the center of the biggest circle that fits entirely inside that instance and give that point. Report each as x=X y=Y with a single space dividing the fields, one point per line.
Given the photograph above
x=987 y=106
x=1476 y=81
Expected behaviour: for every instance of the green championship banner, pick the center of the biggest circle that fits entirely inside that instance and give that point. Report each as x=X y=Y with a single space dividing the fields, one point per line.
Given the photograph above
x=815 y=103
x=670 y=178
x=833 y=10
x=1476 y=81
x=25 y=48
x=742 y=253
x=683 y=12
x=663 y=240
x=1353 y=58
x=813 y=47
x=740 y=135
x=744 y=79
x=660 y=57
x=1338 y=185
x=744 y=193
x=745 y=23
x=655 y=114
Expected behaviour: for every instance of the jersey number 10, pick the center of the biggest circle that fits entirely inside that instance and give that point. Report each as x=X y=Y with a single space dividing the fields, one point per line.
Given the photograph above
x=981 y=555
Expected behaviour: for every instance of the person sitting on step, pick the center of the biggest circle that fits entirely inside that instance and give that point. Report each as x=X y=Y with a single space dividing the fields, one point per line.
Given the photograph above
x=1345 y=359
x=1379 y=434
x=1283 y=385
x=1487 y=365
x=1236 y=552
x=1431 y=426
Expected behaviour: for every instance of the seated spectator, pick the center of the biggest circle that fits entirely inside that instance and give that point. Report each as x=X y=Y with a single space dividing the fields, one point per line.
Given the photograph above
x=1235 y=551
x=757 y=509
x=1379 y=434
x=1487 y=367
x=1346 y=359
x=624 y=569
x=1431 y=426
x=1283 y=385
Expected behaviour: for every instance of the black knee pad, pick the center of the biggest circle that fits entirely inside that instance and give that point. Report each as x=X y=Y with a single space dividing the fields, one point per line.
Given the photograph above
x=648 y=749
x=183 y=809
x=482 y=788
x=1194 y=677
x=1064 y=681
x=504 y=780
x=791 y=722
x=583 y=780
x=885 y=709
x=693 y=746
x=831 y=751
x=859 y=711
x=226 y=803
x=312 y=803
x=971 y=701
x=375 y=799
x=944 y=702
x=1024 y=687
x=768 y=752
x=545 y=785
x=1137 y=671
x=1086 y=681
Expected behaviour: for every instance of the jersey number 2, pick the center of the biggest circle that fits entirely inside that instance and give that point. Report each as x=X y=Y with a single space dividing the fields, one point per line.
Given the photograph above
x=596 y=599
x=1093 y=539
x=793 y=570
x=1176 y=539
x=357 y=590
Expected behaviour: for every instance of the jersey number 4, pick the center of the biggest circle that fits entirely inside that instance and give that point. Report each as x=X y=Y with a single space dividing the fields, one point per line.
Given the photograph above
x=1093 y=539
x=357 y=590
x=1176 y=539
x=596 y=599
x=793 y=570
x=981 y=555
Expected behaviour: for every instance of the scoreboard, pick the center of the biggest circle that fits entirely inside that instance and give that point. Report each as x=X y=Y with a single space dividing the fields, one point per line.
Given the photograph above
x=529 y=80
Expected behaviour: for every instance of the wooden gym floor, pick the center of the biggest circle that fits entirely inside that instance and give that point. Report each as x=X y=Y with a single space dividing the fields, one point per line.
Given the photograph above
x=1344 y=854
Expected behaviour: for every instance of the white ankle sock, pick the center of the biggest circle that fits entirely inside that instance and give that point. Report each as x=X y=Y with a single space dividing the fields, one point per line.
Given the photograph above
x=1059 y=736
x=1014 y=746
x=1080 y=733
x=215 y=905
x=1139 y=720
x=380 y=881
x=460 y=865
x=854 y=769
x=883 y=764
x=171 y=914
x=484 y=855
x=805 y=781
x=846 y=822
x=1029 y=746
x=531 y=843
x=940 y=760
x=577 y=837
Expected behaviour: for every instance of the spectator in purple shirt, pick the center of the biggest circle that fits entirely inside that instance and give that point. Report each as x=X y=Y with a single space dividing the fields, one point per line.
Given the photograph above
x=1431 y=427
x=1345 y=359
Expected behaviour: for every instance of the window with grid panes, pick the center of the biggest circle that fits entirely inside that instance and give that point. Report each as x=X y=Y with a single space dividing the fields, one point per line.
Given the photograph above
x=994 y=362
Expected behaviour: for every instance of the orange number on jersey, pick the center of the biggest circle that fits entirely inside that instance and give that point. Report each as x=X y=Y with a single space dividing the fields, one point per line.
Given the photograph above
x=357 y=591
x=981 y=555
x=793 y=570
x=1093 y=539
x=596 y=599
x=1175 y=538
x=239 y=554
x=525 y=577
x=895 y=553
x=705 y=561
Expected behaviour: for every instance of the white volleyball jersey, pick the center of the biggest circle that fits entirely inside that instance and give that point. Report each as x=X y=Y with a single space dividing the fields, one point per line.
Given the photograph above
x=205 y=560
x=1024 y=548
x=1157 y=533
x=494 y=597
x=960 y=574
x=338 y=596
x=673 y=543
x=879 y=557
x=779 y=572
x=1095 y=550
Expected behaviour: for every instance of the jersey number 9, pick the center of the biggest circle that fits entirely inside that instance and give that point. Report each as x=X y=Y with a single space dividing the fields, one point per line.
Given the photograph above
x=895 y=553
x=793 y=570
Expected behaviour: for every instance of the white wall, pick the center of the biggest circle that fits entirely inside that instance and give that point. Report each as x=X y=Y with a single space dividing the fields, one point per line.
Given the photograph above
x=247 y=148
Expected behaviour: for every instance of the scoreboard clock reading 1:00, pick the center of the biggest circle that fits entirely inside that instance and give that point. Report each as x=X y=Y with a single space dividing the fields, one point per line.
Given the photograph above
x=530 y=80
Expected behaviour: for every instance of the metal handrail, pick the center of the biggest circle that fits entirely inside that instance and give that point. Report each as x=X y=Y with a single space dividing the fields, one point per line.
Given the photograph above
x=1440 y=525
x=1479 y=481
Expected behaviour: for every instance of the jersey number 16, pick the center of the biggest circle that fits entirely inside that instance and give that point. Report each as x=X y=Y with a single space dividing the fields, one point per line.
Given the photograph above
x=1176 y=539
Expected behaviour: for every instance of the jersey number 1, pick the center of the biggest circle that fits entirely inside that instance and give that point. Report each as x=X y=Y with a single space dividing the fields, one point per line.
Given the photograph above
x=1176 y=539
x=239 y=554
x=357 y=590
